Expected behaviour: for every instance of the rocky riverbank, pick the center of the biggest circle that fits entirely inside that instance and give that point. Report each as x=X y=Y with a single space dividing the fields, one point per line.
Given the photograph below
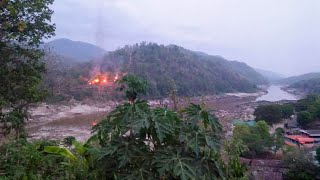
x=77 y=118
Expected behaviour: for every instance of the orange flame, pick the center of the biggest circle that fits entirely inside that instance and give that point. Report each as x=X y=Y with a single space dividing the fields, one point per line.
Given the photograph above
x=102 y=79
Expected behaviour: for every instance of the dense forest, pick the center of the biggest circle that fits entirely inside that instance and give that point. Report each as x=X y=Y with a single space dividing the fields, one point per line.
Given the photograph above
x=191 y=73
x=166 y=68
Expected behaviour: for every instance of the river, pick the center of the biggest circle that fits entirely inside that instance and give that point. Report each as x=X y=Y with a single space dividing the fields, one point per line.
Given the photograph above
x=275 y=93
x=78 y=123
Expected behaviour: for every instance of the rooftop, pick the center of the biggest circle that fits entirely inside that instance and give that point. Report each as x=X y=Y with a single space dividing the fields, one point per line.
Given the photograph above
x=301 y=138
x=311 y=132
x=241 y=122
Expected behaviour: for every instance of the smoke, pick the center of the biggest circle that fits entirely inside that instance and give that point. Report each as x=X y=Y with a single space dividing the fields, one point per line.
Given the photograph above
x=100 y=35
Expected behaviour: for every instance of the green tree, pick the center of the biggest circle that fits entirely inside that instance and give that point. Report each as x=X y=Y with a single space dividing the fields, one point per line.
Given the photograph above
x=301 y=165
x=278 y=139
x=24 y=24
x=257 y=138
x=235 y=169
x=303 y=104
x=132 y=85
x=269 y=113
x=138 y=142
x=287 y=110
x=304 y=118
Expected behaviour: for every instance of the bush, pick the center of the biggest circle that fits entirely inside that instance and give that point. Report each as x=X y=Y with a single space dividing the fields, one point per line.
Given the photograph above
x=271 y=114
x=300 y=165
x=23 y=160
x=304 y=118
x=257 y=138
x=287 y=110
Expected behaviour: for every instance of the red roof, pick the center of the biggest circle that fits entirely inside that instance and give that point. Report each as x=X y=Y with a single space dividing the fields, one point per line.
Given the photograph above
x=301 y=138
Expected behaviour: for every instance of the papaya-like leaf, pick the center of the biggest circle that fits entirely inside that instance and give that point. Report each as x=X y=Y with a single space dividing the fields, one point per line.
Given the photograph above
x=80 y=148
x=172 y=162
x=60 y=151
x=165 y=122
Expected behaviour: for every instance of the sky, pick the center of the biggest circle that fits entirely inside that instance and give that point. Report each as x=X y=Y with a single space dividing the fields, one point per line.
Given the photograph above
x=278 y=35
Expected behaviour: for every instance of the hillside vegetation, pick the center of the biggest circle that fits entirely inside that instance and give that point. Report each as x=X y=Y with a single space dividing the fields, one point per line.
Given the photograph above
x=173 y=67
x=74 y=50
x=303 y=77
x=166 y=68
x=307 y=86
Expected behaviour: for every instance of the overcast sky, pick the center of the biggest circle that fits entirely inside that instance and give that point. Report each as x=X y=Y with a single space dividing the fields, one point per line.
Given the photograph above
x=278 y=35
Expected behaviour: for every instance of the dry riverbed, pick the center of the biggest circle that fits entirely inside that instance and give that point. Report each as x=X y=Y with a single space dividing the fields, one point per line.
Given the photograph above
x=76 y=119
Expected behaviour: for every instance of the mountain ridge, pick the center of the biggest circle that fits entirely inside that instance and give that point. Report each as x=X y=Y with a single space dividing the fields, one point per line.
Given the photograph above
x=192 y=72
x=271 y=76
x=295 y=79
x=77 y=50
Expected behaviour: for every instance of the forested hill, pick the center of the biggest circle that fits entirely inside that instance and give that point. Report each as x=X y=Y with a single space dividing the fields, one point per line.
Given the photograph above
x=191 y=73
x=304 y=77
x=75 y=50
x=307 y=86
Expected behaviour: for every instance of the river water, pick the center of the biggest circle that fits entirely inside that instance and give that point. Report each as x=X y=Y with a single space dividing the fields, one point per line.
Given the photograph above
x=275 y=93
x=80 y=126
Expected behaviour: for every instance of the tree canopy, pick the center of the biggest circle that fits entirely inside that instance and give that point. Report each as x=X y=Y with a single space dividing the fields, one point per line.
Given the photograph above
x=24 y=24
x=257 y=138
x=270 y=113
x=308 y=110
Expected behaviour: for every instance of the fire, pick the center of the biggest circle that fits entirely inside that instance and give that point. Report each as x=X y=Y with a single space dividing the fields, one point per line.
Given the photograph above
x=102 y=79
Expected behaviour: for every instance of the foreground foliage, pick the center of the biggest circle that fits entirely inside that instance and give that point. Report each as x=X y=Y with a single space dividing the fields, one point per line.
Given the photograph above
x=134 y=141
x=138 y=142
x=23 y=160
x=301 y=165
x=24 y=24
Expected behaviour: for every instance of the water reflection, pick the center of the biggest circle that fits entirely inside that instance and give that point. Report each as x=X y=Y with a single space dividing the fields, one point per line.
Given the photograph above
x=275 y=93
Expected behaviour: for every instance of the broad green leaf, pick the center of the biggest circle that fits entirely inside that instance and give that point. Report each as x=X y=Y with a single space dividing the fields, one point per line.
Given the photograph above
x=140 y=116
x=184 y=170
x=165 y=122
x=79 y=147
x=60 y=151
x=173 y=163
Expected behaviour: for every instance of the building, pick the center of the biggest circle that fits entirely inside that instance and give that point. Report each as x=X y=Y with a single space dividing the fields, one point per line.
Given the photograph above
x=299 y=141
x=306 y=138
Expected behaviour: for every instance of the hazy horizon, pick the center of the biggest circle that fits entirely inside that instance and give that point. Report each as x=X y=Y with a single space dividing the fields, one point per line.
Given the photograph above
x=277 y=36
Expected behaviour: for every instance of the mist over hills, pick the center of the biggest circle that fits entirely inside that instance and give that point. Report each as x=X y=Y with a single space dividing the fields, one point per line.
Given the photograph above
x=307 y=86
x=271 y=76
x=76 y=50
x=303 y=77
